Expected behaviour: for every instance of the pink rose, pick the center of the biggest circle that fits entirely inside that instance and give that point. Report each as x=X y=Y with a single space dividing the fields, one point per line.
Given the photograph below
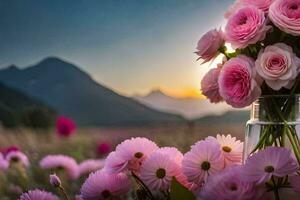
x=208 y=46
x=264 y=5
x=233 y=8
x=210 y=86
x=285 y=14
x=238 y=82
x=246 y=26
x=278 y=66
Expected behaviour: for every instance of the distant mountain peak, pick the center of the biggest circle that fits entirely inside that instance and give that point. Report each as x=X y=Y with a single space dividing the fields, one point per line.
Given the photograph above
x=53 y=60
x=59 y=67
x=12 y=68
x=156 y=92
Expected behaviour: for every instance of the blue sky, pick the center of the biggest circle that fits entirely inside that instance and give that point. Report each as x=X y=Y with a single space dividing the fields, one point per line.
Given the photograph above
x=131 y=46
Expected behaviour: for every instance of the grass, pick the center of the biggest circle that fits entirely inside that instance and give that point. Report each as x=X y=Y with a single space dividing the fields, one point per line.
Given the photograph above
x=84 y=142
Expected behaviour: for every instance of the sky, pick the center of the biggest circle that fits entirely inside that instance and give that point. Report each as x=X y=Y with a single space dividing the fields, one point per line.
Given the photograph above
x=131 y=46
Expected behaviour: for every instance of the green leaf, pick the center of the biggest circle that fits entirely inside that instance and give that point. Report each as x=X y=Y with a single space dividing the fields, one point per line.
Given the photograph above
x=179 y=192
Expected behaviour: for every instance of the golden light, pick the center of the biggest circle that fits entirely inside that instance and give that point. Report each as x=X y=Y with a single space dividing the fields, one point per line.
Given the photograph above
x=229 y=48
x=191 y=92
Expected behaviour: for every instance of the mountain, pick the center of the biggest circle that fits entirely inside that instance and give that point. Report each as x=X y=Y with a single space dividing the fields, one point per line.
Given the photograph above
x=16 y=108
x=73 y=93
x=190 y=108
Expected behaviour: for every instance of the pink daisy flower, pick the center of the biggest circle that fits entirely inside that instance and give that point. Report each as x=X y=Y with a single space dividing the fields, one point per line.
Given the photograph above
x=172 y=152
x=231 y=148
x=114 y=164
x=276 y=161
x=129 y=155
x=204 y=159
x=65 y=127
x=17 y=157
x=61 y=162
x=3 y=163
x=158 y=170
x=177 y=156
x=88 y=166
x=38 y=195
x=228 y=185
x=100 y=185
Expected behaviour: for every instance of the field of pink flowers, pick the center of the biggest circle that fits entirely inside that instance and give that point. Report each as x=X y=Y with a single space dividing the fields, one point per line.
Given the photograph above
x=87 y=144
x=155 y=163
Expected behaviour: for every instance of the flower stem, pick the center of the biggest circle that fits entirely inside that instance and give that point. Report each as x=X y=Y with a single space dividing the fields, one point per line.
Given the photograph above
x=293 y=138
x=276 y=192
x=143 y=185
x=293 y=143
x=63 y=191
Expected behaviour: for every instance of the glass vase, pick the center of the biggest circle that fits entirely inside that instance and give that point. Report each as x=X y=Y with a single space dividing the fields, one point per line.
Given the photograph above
x=274 y=121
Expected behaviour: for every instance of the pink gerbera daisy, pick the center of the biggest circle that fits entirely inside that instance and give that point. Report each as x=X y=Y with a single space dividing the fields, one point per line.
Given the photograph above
x=204 y=159
x=61 y=162
x=129 y=155
x=3 y=163
x=276 y=161
x=172 y=152
x=38 y=195
x=228 y=185
x=231 y=148
x=88 y=166
x=100 y=185
x=158 y=170
x=17 y=157
x=176 y=156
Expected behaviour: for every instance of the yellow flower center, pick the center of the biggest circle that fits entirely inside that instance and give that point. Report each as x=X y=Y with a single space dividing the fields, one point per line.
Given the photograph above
x=226 y=149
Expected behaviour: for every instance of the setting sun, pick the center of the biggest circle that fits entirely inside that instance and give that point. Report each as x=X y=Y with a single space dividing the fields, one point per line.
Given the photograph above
x=184 y=93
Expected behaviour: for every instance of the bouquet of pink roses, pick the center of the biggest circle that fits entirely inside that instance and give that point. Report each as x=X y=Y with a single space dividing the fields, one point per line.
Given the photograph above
x=263 y=68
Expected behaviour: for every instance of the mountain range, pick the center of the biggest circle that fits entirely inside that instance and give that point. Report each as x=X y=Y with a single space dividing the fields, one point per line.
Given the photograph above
x=72 y=92
x=190 y=107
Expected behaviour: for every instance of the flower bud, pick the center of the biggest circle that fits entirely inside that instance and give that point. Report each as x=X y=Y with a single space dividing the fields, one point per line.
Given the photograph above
x=54 y=180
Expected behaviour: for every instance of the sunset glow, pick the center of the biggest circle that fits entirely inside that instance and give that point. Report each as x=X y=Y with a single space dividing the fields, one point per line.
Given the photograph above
x=155 y=51
x=185 y=93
